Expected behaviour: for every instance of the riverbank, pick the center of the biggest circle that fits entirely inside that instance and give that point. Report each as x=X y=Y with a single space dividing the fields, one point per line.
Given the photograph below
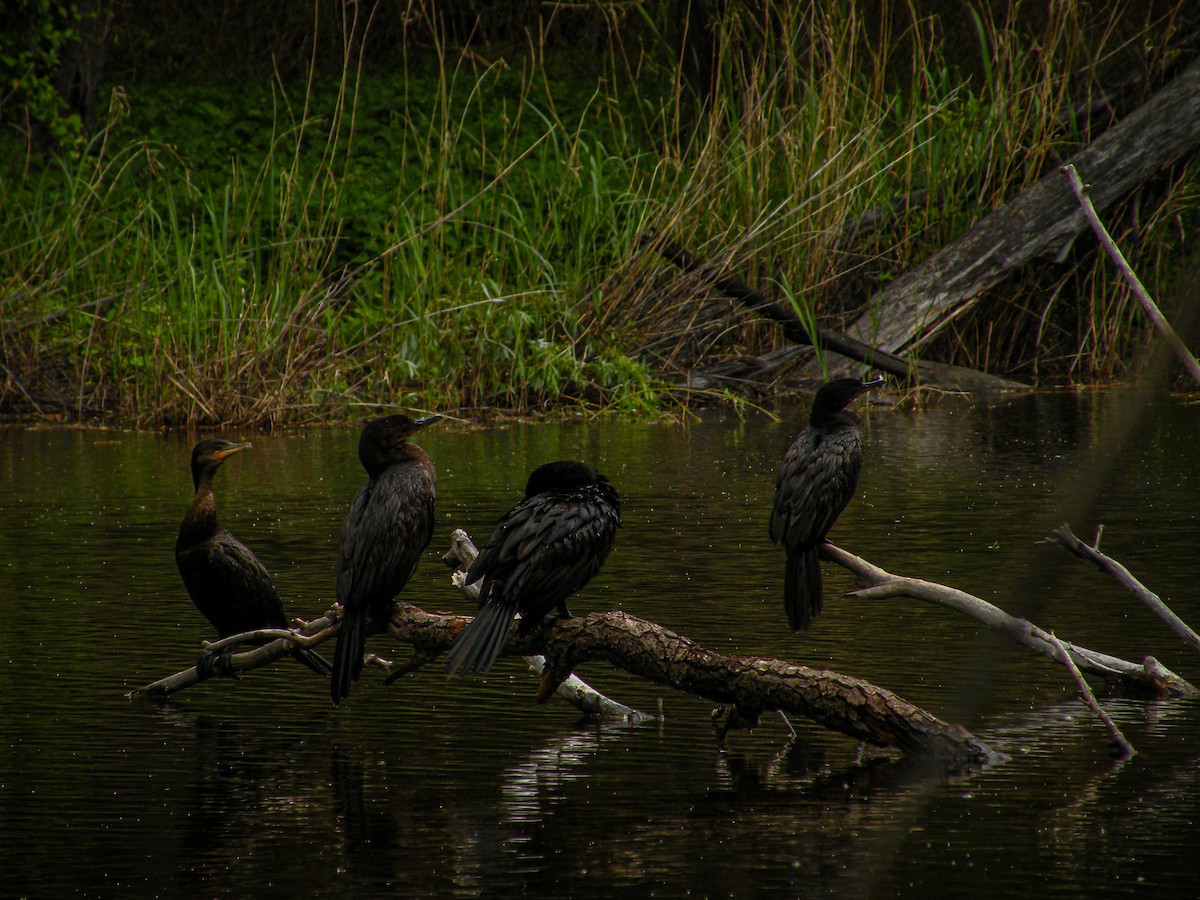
x=462 y=229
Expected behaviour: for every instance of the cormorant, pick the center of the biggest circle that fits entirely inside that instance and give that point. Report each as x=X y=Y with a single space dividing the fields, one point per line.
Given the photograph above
x=817 y=478
x=230 y=587
x=388 y=525
x=547 y=547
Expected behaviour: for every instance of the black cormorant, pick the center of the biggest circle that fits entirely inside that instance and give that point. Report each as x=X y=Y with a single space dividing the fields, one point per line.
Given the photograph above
x=816 y=480
x=230 y=587
x=388 y=525
x=547 y=547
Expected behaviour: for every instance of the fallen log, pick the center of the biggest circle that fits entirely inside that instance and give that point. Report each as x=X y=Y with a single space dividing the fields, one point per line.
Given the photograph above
x=1042 y=220
x=841 y=703
x=794 y=329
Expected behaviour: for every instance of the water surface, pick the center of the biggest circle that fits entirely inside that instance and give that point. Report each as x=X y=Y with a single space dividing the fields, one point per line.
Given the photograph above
x=434 y=788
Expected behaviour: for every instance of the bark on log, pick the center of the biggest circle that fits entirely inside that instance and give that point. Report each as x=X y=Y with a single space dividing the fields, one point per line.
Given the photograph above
x=1041 y=220
x=847 y=705
x=1147 y=679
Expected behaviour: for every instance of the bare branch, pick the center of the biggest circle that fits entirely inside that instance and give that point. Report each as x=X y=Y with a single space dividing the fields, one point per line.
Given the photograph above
x=313 y=633
x=1153 y=313
x=1089 y=699
x=1149 y=678
x=1064 y=536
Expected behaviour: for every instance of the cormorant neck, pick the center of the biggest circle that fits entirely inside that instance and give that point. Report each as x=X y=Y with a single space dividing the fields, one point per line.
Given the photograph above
x=201 y=519
x=825 y=419
x=376 y=464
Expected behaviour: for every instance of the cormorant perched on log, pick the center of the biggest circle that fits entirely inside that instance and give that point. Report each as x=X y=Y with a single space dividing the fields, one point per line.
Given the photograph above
x=388 y=525
x=547 y=547
x=230 y=587
x=816 y=480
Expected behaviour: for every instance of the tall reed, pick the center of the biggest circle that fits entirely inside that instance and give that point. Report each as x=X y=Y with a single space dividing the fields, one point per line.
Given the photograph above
x=465 y=231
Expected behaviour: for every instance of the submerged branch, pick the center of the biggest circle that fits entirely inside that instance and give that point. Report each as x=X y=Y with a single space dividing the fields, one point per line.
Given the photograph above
x=1064 y=536
x=1089 y=699
x=1150 y=678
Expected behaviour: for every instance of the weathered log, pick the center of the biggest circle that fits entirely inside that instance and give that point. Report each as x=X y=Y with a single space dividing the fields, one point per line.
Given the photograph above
x=841 y=703
x=1148 y=679
x=1042 y=220
x=1064 y=536
x=938 y=374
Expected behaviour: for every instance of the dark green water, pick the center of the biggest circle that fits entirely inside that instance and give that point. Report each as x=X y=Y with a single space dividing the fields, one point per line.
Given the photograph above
x=434 y=788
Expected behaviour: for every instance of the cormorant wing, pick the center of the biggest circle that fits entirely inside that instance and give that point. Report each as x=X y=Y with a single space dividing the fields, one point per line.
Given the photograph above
x=546 y=548
x=382 y=539
x=816 y=480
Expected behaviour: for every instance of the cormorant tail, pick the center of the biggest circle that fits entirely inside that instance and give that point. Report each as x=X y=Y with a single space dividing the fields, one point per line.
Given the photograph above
x=802 y=587
x=348 y=656
x=482 y=640
x=313 y=660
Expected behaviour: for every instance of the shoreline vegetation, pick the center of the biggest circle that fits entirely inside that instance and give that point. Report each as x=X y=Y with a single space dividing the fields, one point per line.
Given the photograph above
x=415 y=212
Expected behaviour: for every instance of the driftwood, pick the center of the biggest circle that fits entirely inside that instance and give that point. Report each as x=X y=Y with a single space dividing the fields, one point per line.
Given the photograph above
x=663 y=657
x=1147 y=679
x=1149 y=307
x=749 y=686
x=1042 y=220
x=847 y=705
x=795 y=330
x=234 y=664
x=1064 y=536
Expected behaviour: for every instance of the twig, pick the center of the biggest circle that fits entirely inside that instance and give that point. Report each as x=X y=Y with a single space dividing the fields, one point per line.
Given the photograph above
x=239 y=663
x=1150 y=678
x=574 y=689
x=1135 y=284
x=1064 y=536
x=1089 y=699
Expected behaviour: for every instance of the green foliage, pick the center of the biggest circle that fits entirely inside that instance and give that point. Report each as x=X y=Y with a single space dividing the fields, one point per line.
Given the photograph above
x=31 y=41
x=465 y=230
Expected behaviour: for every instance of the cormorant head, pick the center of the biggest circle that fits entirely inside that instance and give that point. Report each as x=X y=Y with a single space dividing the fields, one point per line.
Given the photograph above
x=382 y=441
x=560 y=476
x=207 y=456
x=834 y=396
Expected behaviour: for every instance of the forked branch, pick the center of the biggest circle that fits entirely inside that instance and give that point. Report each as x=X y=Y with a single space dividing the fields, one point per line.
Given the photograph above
x=1148 y=678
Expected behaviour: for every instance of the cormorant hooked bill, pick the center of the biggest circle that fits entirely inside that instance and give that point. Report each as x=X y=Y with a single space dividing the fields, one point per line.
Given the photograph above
x=547 y=547
x=817 y=478
x=230 y=587
x=389 y=523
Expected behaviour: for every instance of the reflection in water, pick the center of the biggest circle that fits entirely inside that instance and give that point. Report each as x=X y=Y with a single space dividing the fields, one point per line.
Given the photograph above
x=429 y=788
x=537 y=782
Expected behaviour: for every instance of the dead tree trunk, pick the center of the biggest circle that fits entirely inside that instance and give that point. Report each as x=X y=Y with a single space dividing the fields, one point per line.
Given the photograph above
x=1040 y=221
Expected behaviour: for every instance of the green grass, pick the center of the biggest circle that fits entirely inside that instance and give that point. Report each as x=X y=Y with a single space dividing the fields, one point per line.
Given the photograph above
x=463 y=232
